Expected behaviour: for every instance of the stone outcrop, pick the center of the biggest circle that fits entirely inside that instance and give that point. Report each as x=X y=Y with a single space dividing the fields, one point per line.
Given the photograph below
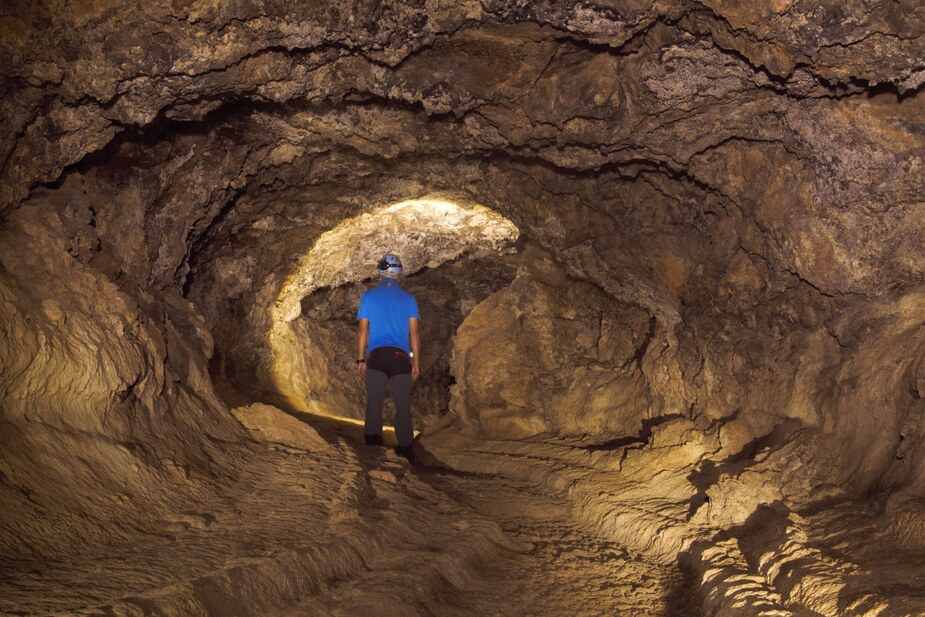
x=717 y=270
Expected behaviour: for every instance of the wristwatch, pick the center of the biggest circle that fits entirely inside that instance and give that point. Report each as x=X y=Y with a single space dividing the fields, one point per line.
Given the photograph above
x=361 y=360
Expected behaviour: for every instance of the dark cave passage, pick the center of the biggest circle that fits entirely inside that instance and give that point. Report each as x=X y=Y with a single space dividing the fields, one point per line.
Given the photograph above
x=669 y=258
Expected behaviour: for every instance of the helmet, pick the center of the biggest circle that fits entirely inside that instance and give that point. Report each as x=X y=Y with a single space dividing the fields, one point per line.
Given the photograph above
x=390 y=264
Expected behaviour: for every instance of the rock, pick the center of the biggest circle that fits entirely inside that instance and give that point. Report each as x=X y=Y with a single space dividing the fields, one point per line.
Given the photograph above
x=268 y=423
x=548 y=355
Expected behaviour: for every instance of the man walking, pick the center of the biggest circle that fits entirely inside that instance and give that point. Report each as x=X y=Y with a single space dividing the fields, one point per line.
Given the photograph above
x=389 y=322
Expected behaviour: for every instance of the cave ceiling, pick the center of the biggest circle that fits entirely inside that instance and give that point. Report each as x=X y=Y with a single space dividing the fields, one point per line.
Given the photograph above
x=270 y=106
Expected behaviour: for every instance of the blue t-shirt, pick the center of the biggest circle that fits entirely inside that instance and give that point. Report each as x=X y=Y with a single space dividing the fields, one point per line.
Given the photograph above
x=388 y=308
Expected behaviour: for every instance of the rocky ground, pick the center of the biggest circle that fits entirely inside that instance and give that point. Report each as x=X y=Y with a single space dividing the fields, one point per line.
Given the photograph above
x=325 y=525
x=352 y=530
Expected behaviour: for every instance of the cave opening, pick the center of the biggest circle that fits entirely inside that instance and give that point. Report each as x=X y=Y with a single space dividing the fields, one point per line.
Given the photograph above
x=670 y=265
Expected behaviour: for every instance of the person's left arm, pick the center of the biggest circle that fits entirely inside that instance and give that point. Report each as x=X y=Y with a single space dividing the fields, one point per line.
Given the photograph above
x=414 y=328
x=362 y=337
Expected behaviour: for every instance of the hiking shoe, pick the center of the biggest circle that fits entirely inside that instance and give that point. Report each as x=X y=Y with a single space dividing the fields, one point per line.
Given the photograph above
x=406 y=452
x=373 y=440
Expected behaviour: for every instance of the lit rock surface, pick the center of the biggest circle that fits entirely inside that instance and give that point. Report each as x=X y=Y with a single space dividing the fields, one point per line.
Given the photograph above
x=673 y=313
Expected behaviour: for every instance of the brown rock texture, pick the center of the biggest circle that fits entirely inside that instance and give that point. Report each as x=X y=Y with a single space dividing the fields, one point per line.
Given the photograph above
x=670 y=257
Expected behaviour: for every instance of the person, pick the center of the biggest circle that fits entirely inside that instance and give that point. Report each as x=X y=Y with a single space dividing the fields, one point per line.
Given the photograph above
x=389 y=326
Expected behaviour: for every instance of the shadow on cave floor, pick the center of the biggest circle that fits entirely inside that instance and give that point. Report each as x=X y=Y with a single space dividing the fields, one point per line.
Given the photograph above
x=350 y=431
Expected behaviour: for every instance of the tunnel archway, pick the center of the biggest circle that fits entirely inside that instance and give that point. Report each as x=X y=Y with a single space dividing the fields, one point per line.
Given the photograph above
x=311 y=364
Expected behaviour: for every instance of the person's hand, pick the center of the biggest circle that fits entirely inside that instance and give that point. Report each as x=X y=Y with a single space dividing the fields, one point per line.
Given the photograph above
x=361 y=369
x=415 y=371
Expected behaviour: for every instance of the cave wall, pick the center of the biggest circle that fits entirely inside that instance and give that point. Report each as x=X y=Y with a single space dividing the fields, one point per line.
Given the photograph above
x=722 y=205
x=109 y=414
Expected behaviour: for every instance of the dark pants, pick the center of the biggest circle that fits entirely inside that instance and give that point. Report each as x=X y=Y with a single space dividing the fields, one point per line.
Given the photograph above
x=389 y=368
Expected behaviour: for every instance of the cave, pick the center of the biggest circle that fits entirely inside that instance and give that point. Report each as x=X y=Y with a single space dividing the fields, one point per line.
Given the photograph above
x=670 y=262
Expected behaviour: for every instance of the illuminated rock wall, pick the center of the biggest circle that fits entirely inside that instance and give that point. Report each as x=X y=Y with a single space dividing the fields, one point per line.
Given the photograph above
x=720 y=217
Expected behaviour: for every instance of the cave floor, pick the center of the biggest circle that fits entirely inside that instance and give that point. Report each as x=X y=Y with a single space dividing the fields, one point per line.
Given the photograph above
x=552 y=568
x=562 y=569
x=303 y=533
x=547 y=563
x=473 y=528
